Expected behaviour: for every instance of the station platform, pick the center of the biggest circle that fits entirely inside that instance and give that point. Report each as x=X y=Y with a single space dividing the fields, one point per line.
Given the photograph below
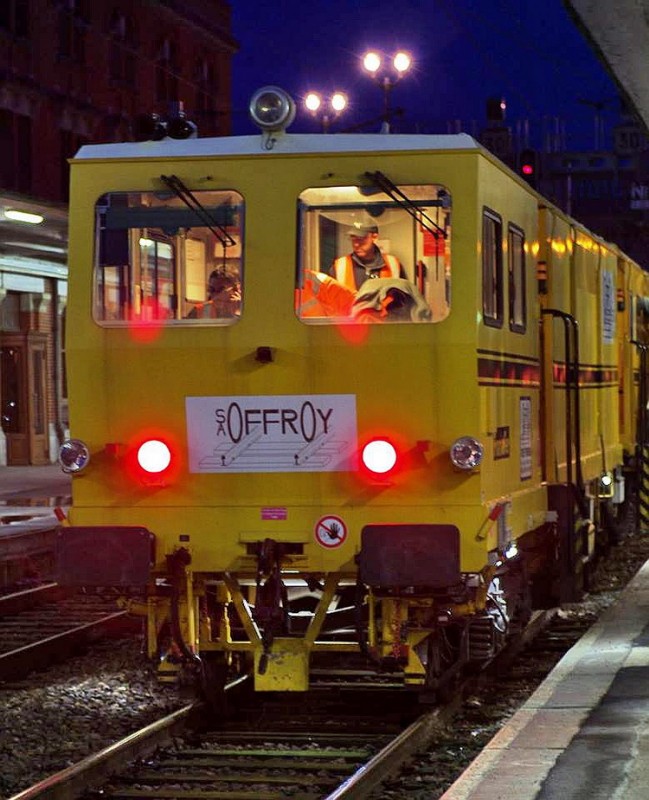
x=584 y=733
x=29 y=495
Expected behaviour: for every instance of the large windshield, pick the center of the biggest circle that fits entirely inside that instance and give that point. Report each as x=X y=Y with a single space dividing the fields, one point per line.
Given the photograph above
x=159 y=259
x=368 y=256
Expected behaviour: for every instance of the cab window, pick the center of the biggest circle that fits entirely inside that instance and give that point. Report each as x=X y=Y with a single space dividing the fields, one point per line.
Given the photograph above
x=369 y=255
x=160 y=258
x=516 y=270
x=492 y=269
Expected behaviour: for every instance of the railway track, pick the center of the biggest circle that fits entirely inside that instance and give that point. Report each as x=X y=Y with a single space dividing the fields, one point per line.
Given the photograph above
x=175 y=758
x=333 y=742
x=42 y=625
x=28 y=543
x=338 y=742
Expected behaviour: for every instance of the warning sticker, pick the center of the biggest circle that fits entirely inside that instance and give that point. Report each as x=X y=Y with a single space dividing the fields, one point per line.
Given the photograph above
x=274 y=512
x=330 y=531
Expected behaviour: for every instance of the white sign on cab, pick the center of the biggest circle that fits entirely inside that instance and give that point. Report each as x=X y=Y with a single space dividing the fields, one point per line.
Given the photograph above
x=274 y=433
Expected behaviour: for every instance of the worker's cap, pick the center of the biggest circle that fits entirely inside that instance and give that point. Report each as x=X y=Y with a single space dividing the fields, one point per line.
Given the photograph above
x=361 y=229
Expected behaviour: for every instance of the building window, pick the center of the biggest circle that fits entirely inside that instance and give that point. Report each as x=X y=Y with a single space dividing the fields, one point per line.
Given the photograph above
x=10 y=312
x=492 y=269
x=206 y=90
x=64 y=356
x=72 y=31
x=516 y=268
x=15 y=151
x=14 y=17
x=11 y=383
x=166 y=71
x=121 y=57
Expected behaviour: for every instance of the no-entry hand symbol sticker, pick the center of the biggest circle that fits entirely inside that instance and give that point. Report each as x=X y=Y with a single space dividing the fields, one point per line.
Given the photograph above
x=330 y=531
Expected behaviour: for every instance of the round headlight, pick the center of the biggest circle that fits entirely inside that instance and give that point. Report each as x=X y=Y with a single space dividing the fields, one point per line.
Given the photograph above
x=466 y=452
x=272 y=109
x=73 y=455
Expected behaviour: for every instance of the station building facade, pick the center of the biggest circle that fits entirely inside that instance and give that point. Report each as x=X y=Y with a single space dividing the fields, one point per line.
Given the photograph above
x=74 y=72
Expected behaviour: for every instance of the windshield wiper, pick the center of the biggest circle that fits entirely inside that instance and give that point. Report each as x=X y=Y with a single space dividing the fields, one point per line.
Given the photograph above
x=192 y=202
x=392 y=190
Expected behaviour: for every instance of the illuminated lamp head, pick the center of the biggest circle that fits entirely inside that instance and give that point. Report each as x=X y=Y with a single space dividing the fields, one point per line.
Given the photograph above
x=605 y=486
x=379 y=456
x=153 y=456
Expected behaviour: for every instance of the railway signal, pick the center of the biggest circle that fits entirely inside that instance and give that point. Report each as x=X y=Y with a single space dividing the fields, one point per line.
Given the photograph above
x=528 y=165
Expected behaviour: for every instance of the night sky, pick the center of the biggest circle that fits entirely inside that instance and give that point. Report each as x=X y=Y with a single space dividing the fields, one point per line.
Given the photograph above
x=465 y=51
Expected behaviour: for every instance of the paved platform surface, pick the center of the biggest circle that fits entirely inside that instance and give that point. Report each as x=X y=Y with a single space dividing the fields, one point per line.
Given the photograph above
x=584 y=733
x=29 y=495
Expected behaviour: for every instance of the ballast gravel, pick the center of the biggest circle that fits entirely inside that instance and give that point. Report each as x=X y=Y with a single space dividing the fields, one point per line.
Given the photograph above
x=52 y=719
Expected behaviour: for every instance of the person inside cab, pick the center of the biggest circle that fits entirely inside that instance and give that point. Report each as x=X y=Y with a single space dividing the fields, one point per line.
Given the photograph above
x=223 y=298
x=366 y=259
x=364 y=286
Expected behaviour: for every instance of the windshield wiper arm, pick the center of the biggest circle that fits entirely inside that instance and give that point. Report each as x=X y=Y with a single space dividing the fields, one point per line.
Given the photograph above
x=392 y=190
x=192 y=202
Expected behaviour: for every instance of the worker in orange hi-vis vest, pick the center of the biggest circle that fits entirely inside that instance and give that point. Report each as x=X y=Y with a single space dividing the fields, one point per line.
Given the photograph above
x=323 y=296
x=366 y=260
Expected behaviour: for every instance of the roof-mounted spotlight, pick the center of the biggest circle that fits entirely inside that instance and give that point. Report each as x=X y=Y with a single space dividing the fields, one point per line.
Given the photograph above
x=272 y=109
x=180 y=127
x=155 y=127
x=149 y=128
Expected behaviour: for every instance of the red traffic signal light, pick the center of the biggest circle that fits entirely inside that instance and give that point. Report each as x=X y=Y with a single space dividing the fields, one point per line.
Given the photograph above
x=528 y=164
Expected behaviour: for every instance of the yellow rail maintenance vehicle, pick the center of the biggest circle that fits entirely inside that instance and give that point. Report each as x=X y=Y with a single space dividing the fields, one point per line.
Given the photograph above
x=338 y=401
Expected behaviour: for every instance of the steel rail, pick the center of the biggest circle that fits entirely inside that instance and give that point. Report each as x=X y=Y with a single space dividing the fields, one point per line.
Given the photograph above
x=17 y=663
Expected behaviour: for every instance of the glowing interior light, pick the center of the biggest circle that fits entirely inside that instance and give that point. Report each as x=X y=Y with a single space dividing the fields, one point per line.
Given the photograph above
x=338 y=101
x=372 y=62
x=379 y=456
x=511 y=550
x=154 y=456
x=401 y=62
x=312 y=101
x=23 y=216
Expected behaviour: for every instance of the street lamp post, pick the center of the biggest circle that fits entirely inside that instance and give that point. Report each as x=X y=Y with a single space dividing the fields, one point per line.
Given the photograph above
x=386 y=71
x=325 y=107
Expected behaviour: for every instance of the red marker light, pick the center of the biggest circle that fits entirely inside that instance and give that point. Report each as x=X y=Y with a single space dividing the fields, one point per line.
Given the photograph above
x=527 y=169
x=154 y=456
x=379 y=456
